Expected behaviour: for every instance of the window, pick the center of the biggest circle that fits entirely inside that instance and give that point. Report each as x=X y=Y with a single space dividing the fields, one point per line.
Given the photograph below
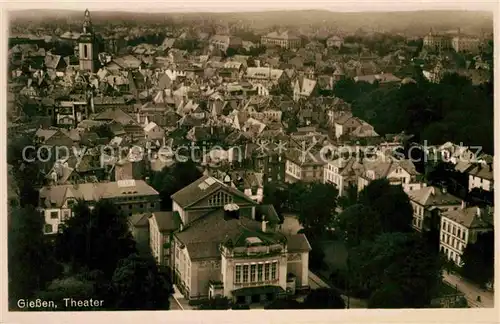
x=220 y=199
x=54 y=215
x=463 y=235
x=66 y=214
x=48 y=228
x=260 y=267
x=267 y=267
x=245 y=273
x=152 y=205
x=253 y=269
x=459 y=233
x=85 y=51
x=238 y=274
x=273 y=270
x=454 y=230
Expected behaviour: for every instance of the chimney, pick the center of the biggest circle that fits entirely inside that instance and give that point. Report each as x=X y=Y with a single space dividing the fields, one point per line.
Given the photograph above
x=444 y=190
x=478 y=212
x=264 y=225
x=463 y=204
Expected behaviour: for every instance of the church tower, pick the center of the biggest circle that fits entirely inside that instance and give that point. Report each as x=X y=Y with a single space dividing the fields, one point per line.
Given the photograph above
x=87 y=46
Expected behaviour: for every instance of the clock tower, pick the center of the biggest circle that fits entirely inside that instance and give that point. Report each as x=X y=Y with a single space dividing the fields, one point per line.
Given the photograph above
x=87 y=50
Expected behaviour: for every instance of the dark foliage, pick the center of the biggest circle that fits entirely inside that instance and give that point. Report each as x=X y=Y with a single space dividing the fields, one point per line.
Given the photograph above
x=83 y=236
x=400 y=265
x=434 y=112
x=323 y=298
x=138 y=284
x=172 y=179
x=30 y=262
x=479 y=259
x=391 y=204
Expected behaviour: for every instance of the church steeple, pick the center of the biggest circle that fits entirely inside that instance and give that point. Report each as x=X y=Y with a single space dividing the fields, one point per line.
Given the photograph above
x=87 y=23
x=87 y=46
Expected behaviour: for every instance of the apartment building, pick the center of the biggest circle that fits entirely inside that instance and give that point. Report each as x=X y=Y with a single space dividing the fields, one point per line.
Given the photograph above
x=427 y=200
x=460 y=227
x=303 y=166
x=130 y=197
x=284 y=39
x=342 y=172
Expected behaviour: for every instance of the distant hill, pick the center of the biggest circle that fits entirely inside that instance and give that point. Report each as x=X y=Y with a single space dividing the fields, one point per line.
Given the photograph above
x=409 y=22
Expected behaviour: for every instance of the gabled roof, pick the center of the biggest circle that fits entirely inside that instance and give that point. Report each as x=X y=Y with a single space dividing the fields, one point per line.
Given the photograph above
x=203 y=187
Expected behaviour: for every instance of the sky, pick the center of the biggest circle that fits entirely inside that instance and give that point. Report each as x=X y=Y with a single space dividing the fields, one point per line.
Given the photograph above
x=259 y=5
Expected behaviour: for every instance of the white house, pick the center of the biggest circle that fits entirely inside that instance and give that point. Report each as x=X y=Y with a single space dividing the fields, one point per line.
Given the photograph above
x=460 y=227
x=161 y=227
x=342 y=173
x=427 y=199
x=481 y=176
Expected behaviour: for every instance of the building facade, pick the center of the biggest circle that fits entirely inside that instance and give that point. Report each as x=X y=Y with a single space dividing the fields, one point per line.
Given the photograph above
x=284 y=40
x=130 y=196
x=221 y=249
x=460 y=227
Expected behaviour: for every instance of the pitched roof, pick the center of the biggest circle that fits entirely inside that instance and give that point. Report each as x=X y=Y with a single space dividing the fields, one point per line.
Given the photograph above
x=95 y=191
x=298 y=243
x=139 y=220
x=433 y=196
x=470 y=218
x=201 y=188
x=286 y=35
x=202 y=241
x=167 y=220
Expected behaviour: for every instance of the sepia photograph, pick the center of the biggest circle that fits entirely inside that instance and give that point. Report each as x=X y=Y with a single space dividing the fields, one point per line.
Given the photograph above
x=183 y=157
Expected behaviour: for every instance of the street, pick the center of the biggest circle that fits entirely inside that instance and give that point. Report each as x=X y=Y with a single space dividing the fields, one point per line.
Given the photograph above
x=471 y=291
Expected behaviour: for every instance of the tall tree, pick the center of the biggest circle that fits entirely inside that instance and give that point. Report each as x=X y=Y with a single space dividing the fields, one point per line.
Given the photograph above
x=84 y=235
x=323 y=298
x=138 y=284
x=353 y=223
x=479 y=259
x=391 y=203
x=317 y=207
x=172 y=179
x=403 y=261
x=31 y=264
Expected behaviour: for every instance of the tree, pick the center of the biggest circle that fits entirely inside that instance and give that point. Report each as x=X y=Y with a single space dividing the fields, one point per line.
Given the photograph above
x=353 y=222
x=317 y=207
x=402 y=260
x=478 y=259
x=31 y=264
x=387 y=296
x=391 y=203
x=83 y=236
x=350 y=198
x=172 y=179
x=71 y=287
x=273 y=195
x=323 y=298
x=138 y=284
